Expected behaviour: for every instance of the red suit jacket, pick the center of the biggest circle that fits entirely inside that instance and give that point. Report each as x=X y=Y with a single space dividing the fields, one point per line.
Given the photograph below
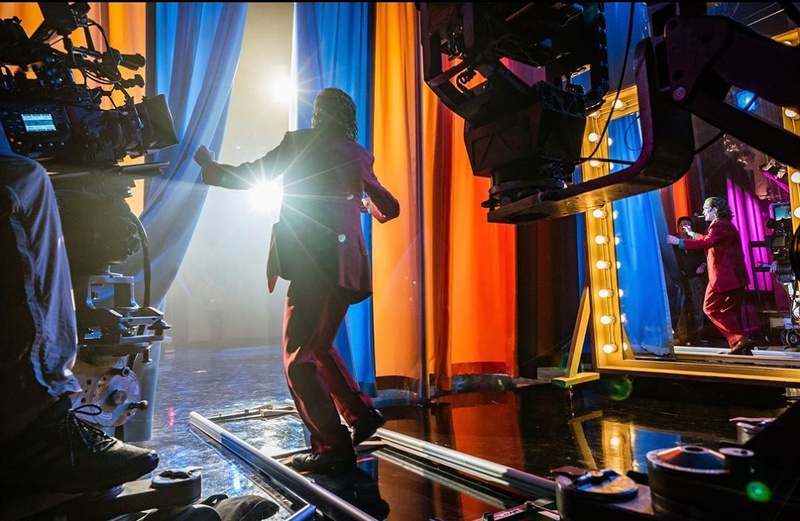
x=319 y=234
x=726 y=267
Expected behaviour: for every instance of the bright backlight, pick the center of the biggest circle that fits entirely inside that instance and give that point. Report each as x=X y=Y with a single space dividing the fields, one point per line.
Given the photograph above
x=283 y=89
x=267 y=196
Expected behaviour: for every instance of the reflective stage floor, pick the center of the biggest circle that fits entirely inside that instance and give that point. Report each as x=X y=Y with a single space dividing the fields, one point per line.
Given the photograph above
x=534 y=428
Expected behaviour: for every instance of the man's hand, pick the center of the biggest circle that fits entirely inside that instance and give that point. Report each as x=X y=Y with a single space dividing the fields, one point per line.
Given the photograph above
x=372 y=209
x=203 y=156
x=671 y=239
x=701 y=269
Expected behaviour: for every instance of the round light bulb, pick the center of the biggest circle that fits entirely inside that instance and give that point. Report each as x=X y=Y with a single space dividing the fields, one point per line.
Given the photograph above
x=616 y=240
x=795 y=177
x=610 y=141
x=624 y=346
x=619 y=264
x=619 y=104
x=623 y=318
x=609 y=348
x=621 y=293
x=607 y=319
x=605 y=293
x=599 y=213
x=797 y=212
x=601 y=239
x=614 y=214
x=595 y=114
x=593 y=137
x=594 y=163
x=791 y=114
x=601 y=265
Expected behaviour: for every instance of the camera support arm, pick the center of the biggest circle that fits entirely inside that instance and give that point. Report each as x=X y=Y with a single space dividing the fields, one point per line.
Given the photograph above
x=702 y=58
x=705 y=57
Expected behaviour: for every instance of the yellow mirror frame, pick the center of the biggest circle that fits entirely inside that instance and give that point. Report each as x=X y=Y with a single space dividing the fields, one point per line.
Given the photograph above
x=609 y=347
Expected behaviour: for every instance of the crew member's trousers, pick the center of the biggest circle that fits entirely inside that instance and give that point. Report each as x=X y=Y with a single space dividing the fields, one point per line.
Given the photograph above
x=318 y=379
x=724 y=310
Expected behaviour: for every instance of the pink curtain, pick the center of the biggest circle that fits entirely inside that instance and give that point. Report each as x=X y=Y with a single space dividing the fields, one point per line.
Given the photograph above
x=749 y=220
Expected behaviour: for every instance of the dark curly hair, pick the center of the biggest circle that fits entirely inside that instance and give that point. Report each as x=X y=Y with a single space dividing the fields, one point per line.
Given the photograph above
x=722 y=207
x=334 y=110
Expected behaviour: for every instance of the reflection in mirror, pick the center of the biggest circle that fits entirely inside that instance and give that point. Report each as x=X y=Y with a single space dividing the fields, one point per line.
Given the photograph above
x=662 y=287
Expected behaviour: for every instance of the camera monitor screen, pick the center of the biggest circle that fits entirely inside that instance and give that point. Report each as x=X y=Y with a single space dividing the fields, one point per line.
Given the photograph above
x=38 y=123
x=781 y=211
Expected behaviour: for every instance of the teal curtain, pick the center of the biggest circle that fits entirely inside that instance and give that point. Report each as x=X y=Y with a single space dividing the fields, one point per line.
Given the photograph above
x=333 y=47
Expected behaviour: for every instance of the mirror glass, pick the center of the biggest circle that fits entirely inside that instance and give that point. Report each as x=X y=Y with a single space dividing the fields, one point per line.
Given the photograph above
x=662 y=287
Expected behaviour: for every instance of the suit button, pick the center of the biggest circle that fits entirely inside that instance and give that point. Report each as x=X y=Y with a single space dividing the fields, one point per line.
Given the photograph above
x=342 y=237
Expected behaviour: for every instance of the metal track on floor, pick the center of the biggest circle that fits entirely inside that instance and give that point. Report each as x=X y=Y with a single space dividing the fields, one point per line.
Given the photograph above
x=482 y=479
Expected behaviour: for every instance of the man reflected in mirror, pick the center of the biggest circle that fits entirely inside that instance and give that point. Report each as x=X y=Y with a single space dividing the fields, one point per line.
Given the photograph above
x=727 y=273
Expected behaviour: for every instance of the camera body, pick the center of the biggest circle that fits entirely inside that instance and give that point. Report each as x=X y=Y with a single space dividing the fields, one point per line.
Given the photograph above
x=47 y=114
x=778 y=244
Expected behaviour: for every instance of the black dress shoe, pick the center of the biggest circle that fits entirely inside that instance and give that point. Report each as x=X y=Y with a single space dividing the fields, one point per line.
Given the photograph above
x=324 y=462
x=63 y=453
x=366 y=427
x=743 y=347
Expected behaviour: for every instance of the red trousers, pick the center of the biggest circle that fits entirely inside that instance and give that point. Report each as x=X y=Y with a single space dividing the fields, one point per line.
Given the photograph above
x=320 y=383
x=724 y=310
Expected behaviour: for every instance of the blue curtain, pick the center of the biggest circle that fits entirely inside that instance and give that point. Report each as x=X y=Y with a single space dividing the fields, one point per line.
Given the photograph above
x=333 y=48
x=646 y=262
x=197 y=50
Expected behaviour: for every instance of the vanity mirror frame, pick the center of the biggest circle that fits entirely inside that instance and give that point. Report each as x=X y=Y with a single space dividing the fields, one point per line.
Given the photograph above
x=610 y=350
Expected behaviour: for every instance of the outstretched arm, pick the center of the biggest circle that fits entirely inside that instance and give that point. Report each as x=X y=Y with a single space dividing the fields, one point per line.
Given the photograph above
x=240 y=177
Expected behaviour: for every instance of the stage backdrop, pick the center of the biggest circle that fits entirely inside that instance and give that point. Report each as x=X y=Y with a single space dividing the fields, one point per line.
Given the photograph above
x=469 y=313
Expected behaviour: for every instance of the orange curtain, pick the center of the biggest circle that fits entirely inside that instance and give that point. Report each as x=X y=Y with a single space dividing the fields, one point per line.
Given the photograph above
x=395 y=245
x=470 y=264
x=125 y=27
x=680 y=197
x=483 y=264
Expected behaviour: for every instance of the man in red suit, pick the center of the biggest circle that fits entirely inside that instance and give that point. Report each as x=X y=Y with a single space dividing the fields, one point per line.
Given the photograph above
x=319 y=246
x=727 y=273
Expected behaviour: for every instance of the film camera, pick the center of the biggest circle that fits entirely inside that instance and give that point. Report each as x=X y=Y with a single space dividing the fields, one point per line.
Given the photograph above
x=779 y=241
x=50 y=116
x=780 y=244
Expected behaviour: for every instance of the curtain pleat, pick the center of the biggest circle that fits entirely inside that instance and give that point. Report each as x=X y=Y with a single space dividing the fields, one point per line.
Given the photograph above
x=437 y=122
x=483 y=270
x=395 y=245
